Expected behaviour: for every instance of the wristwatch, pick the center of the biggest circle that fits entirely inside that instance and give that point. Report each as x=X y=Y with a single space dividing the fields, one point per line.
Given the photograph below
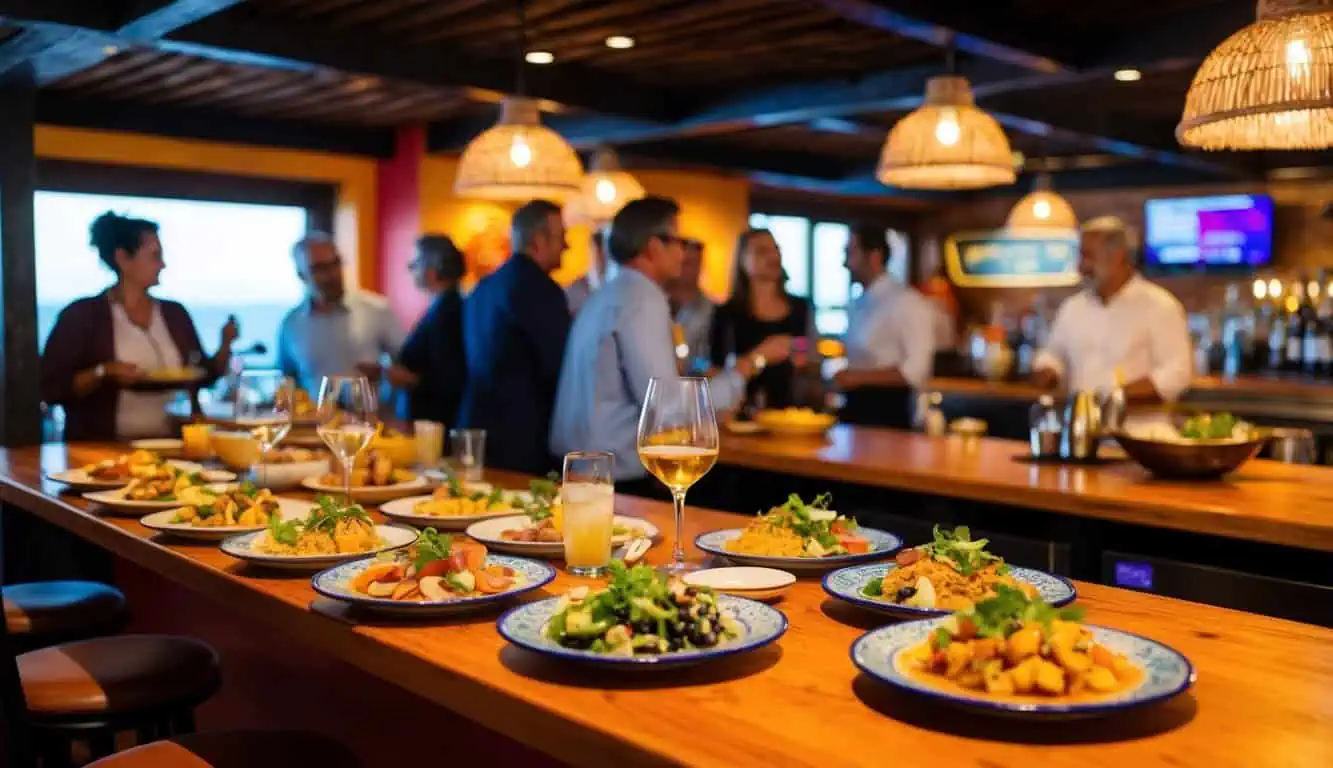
x=759 y=362
x=100 y=371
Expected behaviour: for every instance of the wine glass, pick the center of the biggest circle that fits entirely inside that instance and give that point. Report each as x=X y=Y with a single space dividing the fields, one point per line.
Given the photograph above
x=678 y=444
x=345 y=420
x=264 y=407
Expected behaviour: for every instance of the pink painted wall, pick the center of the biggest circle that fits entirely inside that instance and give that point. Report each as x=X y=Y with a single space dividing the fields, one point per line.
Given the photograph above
x=400 y=223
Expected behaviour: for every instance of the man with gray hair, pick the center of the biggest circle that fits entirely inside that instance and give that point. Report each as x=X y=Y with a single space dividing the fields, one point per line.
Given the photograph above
x=333 y=331
x=1120 y=329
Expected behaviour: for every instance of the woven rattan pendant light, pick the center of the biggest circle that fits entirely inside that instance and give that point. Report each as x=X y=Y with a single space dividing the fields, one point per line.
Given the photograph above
x=1042 y=208
x=947 y=143
x=1269 y=86
x=519 y=158
x=605 y=190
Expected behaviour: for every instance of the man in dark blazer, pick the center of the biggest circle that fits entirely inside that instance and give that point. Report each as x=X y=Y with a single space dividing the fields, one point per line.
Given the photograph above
x=514 y=328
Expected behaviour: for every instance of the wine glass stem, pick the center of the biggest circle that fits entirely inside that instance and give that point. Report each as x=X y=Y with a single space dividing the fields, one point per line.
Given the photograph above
x=263 y=465
x=347 y=478
x=678 y=553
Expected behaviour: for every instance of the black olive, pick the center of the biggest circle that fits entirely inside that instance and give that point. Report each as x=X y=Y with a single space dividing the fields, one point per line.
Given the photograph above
x=648 y=649
x=707 y=640
x=905 y=593
x=578 y=642
x=645 y=627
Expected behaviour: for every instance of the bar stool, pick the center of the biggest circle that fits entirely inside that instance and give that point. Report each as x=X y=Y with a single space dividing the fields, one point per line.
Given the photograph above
x=44 y=613
x=92 y=689
x=235 y=749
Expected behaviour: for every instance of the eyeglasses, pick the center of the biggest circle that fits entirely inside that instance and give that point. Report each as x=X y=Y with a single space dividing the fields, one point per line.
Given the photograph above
x=670 y=238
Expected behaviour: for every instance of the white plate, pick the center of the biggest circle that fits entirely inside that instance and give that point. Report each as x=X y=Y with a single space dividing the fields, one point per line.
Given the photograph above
x=488 y=532
x=163 y=446
x=335 y=584
x=116 y=499
x=288 y=509
x=80 y=480
x=240 y=547
x=882 y=546
x=403 y=511
x=744 y=581
x=370 y=494
x=282 y=477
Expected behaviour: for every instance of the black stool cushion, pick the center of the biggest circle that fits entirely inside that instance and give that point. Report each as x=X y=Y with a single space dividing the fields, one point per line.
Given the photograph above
x=60 y=607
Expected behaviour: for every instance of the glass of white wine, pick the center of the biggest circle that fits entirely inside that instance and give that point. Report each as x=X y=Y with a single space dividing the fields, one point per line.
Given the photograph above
x=678 y=444
x=264 y=407
x=346 y=420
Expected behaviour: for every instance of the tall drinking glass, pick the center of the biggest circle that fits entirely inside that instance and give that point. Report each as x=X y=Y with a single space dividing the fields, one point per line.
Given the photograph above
x=587 y=501
x=678 y=444
x=345 y=420
x=467 y=454
x=264 y=407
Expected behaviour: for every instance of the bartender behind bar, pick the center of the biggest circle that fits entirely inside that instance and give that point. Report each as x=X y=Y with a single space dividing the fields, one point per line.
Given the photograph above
x=1118 y=321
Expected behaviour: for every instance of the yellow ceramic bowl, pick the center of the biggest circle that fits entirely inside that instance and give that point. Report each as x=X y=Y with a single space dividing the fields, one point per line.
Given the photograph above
x=401 y=450
x=795 y=421
x=236 y=450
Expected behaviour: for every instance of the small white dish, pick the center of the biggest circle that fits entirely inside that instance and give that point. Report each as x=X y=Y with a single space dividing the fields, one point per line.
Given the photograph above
x=288 y=509
x=162 y=446
x=744 y=581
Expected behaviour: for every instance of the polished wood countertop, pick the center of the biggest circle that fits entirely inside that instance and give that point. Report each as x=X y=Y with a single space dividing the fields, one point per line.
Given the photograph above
x=1261 y=698
x=1247 y=386
x=1263 y=501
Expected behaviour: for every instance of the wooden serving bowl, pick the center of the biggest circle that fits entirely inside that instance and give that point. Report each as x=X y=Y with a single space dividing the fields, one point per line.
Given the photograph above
x=1202 y=460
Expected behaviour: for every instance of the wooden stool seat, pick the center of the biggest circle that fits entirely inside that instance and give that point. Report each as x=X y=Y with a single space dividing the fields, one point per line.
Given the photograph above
x=61 y=608
x=109 y=677
x=235 y=749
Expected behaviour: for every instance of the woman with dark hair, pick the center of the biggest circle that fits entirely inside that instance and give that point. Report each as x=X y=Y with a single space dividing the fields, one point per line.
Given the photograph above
x=431 y=367
x=760 y=307
x=103 y=345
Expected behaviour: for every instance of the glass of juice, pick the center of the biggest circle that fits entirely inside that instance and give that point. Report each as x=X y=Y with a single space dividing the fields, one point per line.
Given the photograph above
x=587 y=500
x=430 y=442
x=197 y=440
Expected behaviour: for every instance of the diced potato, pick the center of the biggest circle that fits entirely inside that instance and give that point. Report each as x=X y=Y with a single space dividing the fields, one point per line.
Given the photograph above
x=1100 y=679
x=1074 y=662
x=957 y=655
x=986 y=648
x=1102 y=657
x=1023 y=643
x=186 y=514
x=1000 y=683
x=971 y=679
x=1050 y=678
x=1123 y=668
x=1024 y=676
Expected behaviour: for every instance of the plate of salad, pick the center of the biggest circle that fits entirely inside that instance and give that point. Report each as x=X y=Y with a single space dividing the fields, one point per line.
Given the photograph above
x=437 y=575
x=642 y=620
x=950 y=573
x=800 y=536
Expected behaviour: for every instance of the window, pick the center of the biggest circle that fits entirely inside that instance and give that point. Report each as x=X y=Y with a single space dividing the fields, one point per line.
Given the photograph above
x=222 y=258
x=814 y=253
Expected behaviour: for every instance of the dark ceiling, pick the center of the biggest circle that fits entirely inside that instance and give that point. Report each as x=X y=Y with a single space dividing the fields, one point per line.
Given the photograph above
x=795 y=93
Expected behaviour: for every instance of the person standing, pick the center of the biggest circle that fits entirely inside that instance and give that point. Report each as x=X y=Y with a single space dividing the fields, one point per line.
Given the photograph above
x=622 y=339
x=333 y=330
x=578 y=291
x=760 y=307
x=514 y=328
x=432 y=368
x=1119 y=321
x=692 y=310
x=890 y=338
x=101 y=346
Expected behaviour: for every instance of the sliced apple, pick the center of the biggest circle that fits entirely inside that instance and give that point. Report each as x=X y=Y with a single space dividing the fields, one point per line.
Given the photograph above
x=432 y=588
x=404 y=589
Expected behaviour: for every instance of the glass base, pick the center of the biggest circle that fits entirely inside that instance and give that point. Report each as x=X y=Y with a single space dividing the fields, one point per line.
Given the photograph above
x=680 y=569
x=592 y=571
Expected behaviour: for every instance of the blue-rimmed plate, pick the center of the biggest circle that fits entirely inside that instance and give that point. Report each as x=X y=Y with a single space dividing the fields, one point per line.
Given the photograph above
x=525 y=627
x=335 y=582
x=882 y=654
x=847 y=583
x=243 y=547
x=882 y=545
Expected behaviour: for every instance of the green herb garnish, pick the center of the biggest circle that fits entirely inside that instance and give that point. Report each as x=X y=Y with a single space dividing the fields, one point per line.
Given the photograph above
x=1010 y=609
x=801 y=522
x=942 y=637
x=956 y=548
x=545 y=493
x=288 y=532
x=1205 y=426
x=249 y=489
x=874 y=587
x=432 y=546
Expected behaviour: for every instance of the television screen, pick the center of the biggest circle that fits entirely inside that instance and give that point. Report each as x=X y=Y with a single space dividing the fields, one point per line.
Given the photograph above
x=1227 y=232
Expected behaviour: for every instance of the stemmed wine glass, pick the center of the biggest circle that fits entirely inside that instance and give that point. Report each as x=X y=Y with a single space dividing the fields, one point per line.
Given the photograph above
x=678 y=444
x=346 y=420
x=264 y=407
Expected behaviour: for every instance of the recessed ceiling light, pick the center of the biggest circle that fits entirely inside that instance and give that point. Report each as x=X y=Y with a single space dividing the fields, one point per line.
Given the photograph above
x=539 y=57
x=619 y=42
x=1128 y=75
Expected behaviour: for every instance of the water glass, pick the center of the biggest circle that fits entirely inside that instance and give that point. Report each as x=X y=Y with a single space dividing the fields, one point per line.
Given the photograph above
x=430 y=442
x=1292 y=446
x=587 y=501
x=264 y=407
x=467 y=454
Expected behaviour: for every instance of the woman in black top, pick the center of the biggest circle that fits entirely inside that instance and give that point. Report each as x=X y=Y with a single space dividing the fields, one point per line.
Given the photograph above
x=760 y=307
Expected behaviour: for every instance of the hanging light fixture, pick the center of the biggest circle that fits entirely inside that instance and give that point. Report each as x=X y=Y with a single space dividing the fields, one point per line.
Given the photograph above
x=519 y=158
x=1042 y=208
x=947 y=143
x=605 y=190
x=1269 y=86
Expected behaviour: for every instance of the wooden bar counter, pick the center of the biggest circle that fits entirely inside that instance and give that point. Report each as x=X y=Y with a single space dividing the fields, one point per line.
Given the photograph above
x=1262 y=696
x=1264 y=501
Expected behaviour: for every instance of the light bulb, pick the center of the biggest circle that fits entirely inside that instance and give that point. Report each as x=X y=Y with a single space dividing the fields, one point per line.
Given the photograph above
x=1260 y=289
x=1298 y=59
x=1041 y=209
x=605 y=191
x=1128 y=75
x=947 y=131
x=539 y=57
x=620 y=42
x=1275 y=288
x=520 y=154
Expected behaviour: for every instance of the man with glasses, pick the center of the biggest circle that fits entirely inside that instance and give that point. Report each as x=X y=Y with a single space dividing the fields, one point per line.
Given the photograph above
x=333 y=331
x=622 y=338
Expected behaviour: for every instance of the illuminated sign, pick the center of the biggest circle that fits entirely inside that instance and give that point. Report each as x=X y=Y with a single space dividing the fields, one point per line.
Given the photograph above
x=1012 y=258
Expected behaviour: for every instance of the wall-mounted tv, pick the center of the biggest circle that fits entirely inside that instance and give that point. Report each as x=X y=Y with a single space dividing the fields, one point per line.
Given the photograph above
x=1226 y=233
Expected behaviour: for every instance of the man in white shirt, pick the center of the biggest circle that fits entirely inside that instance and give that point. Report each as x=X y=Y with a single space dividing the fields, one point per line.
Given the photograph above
x=890 y=336
x=1119 y=321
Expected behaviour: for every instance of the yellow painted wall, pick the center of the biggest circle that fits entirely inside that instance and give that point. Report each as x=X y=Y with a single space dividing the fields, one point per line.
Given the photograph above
x=714 y=209
x=356 y=215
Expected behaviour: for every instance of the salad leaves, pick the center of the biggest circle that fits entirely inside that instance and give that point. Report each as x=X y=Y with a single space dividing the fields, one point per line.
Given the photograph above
x=806 y=521
x=545 y=494
x=1204 y=426
x=325 y=517
x=431 y=546
x=457 y=491
x=957 y=549
x=1006 y=612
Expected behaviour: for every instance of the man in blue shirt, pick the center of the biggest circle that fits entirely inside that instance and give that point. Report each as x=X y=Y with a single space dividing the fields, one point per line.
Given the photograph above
x=622 y=339
x=514 y=327
x=431 y=368
x=333 y=331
